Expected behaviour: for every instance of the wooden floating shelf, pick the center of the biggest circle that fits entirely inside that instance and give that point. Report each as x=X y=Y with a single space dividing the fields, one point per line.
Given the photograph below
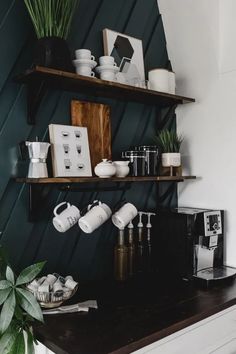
x=41 y=78
x=67 y=180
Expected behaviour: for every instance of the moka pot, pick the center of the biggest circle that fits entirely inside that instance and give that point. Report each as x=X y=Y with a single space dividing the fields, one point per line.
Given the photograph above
x=38 y=154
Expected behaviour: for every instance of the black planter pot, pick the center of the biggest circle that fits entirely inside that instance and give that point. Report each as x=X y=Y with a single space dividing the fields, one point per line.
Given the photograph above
x=53 y=52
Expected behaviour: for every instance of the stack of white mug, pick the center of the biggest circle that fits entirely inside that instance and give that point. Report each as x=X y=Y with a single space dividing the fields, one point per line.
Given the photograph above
x=161 y=80
x=84 y=62
x=107 y=68
x=95 y=215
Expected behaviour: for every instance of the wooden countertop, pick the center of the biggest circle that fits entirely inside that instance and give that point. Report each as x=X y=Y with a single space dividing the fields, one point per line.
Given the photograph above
x=131 y=316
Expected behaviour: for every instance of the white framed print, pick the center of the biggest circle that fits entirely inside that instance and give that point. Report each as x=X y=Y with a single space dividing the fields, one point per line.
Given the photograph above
x=70 y=151
x=128 y=54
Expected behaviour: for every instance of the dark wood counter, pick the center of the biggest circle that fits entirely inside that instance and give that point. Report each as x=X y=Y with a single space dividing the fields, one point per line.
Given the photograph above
x=132 y=316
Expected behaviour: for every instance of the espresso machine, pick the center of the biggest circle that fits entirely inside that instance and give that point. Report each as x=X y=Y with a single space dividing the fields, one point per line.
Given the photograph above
x=188 y=243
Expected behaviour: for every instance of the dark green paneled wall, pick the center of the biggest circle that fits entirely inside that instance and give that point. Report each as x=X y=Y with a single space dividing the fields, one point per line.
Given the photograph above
x=86 y=256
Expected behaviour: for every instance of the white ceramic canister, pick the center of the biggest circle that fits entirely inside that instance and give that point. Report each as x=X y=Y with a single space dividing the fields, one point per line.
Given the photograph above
x=105 y=169
x=158 y=80
x=122 y=168
x=172 y=83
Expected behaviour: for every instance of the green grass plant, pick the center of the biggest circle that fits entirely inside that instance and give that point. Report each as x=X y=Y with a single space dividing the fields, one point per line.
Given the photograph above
x=169 y=140
x=51 y=17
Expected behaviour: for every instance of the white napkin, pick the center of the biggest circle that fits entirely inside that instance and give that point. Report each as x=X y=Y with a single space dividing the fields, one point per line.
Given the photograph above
x=81 y=306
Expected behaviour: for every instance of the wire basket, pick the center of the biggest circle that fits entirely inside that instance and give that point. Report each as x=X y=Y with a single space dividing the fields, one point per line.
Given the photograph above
x=53 y=299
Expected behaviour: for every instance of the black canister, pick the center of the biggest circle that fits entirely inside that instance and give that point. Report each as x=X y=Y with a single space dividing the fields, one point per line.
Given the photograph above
x=151 y=159
x=137 y=162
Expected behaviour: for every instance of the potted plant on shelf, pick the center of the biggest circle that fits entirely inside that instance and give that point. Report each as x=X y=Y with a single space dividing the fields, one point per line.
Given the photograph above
x=169 y=142
x=52 y=20
x=19 y=309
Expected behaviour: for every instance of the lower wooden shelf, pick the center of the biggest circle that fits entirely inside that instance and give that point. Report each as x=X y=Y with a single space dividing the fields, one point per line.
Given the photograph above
x=61 y=180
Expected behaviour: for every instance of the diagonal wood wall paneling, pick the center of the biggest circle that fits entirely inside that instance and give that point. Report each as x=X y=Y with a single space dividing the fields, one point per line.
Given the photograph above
x=85 y=256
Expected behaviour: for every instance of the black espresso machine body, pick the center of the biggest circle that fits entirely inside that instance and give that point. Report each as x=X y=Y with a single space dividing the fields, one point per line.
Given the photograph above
x=188 y=244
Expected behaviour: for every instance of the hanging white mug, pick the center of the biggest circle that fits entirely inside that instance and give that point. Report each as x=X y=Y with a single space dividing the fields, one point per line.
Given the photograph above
x=124 y=215
x=95 y=217
x=67 y=218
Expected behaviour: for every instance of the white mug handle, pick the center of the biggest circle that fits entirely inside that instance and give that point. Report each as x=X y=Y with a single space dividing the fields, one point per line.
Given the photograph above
x=114 y=64
x=58 y=206
x=90 y=206
x=92 y=57
x=92 y=73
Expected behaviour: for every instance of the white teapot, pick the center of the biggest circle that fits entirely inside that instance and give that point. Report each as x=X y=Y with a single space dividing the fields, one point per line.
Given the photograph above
x=105 y=169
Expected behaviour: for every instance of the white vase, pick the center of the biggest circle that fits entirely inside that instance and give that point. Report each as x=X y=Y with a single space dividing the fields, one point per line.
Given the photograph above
x=171 y=159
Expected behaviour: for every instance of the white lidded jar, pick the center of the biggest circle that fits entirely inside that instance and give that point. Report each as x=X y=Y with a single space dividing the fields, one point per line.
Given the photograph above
x=105 y=169
x=122 y=168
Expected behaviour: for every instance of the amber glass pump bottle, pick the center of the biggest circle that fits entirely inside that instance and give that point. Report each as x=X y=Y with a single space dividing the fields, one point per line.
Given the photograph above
x=121 y=258
x=131 y=251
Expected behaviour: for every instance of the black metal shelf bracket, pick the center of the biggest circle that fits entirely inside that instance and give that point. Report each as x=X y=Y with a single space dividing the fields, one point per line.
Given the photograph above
x=39 y=193
x=167 y=118
x=35 y=92
x=117 y=186
x=38 y=196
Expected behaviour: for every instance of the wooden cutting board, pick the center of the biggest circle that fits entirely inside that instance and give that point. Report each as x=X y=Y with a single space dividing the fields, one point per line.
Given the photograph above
x=96 y=117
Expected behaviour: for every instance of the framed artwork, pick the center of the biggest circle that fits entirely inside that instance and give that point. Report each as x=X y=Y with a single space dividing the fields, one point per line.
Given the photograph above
x=70 y=151
x=128 y=54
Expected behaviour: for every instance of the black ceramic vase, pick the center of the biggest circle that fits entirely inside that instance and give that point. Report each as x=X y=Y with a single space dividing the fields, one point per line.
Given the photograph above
x=53 y=52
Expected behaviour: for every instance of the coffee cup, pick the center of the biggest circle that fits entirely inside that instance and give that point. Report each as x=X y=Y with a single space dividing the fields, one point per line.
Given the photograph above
x=158 y=80
x=107 y=60
x=95 y=217
x=84 y=70
x=67 y=218
x=84 y=54
x=124 y=215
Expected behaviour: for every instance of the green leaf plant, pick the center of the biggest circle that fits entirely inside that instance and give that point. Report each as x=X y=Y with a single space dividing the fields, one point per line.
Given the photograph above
x=51 y=17
x=19 y=309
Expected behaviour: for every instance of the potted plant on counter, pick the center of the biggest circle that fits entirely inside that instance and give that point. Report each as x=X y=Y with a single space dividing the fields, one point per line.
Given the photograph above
x=19 y=309
x=52 y=20
x=169 y=142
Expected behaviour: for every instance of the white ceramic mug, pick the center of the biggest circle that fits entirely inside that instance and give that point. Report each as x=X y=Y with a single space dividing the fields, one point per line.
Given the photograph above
x=95 y=217
x=84 y=70
x=84 y=54
x=67 y=218
x=124 y=215
x=158 y=80
x=107 y=60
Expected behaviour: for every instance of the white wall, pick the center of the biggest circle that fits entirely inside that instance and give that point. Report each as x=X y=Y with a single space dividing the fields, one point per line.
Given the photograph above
x=201 y=44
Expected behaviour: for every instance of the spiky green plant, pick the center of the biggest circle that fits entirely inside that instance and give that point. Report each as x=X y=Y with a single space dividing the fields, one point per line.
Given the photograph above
x=169 y=140
x=51 y=17
x=19 y=309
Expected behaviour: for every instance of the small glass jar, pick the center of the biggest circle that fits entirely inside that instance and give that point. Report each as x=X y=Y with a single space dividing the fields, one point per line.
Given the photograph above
x=137 y=162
